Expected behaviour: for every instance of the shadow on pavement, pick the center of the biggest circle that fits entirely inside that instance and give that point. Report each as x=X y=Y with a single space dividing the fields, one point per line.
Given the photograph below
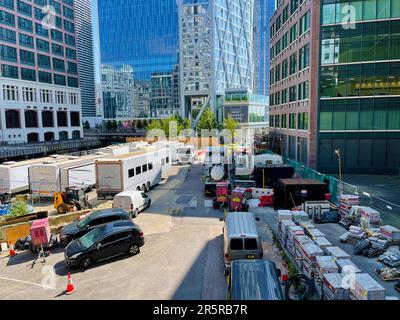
x=205 y=280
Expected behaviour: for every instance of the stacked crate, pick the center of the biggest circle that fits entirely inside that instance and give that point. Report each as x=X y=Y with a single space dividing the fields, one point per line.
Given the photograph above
x=391 y=234
x=346 y=203
x=300 y=241
x=300 y=216
x=292 y=232
x=283 y=230
x=315 y=233
x=334 y=288
x=309 y=253
x=337 y=253
x=324 y=264
x=370 y=218
x=322 y=242
x=347 y=266
x=366 y=288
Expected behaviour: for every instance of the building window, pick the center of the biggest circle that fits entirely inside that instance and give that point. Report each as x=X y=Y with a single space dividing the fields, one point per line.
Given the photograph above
x=49 y=136
x=45 y=96
x=32 y=137
x=29 y=94
x=292 y=94
x=73 y=98
x=62 y=119
x=305 y=23
x=47 y=119
x=304 y=57
x=75 y=119
x=31 y=120
x=63 y=135
x=293 y=64
x=10 y=93
x=76 y=135
x=12 y=119
x=61 y=97
x=28 y=74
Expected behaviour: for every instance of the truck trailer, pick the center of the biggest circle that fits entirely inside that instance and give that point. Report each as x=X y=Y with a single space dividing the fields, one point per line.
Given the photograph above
x=14 y=176
x=138 y=170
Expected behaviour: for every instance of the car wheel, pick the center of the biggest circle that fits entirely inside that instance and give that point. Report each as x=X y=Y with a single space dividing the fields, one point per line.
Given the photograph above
x=149 y=204
x=143 y=188
x=86 y=263
x=135 y=213
x=62 y=209
x=148 y=187
x=134 y=250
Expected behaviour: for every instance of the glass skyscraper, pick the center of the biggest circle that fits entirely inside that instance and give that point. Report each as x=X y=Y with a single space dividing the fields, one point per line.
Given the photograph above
x=140 y=34
x=263 y=11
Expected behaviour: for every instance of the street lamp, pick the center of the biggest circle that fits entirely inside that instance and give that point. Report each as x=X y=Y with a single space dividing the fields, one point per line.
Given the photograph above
x=338 y=153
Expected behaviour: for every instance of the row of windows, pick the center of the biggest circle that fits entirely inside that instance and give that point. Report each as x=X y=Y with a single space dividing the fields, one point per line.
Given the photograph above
x=294 y=93
x=12 y=93
x=370 y=41
x=286 y=13
x=26 y=9
x=285 y=122
x=43 y=61
x=342 y=11
x=9 y=71
x=140 y=169
x=13 y=119
x=39 y=29
x=296 y=62
x=289 y=37
x=33 y=137
x=360 y=114
x=370 y=79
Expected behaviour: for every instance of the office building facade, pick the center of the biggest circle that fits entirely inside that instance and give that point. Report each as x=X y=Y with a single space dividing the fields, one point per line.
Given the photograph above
x=118 y=92
x=216 y=41
x=39 y=82
x=140 y=34
x=342 y=90
x=84 y=40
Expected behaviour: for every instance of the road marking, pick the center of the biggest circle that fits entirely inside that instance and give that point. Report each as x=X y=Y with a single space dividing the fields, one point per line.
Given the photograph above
x=27 y=282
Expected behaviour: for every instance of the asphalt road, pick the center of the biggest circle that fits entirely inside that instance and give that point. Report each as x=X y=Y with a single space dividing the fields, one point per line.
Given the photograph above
x=182 y=257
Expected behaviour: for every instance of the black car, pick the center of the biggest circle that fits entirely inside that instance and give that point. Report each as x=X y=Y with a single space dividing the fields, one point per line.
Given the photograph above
x=105 y=242
x=79 y=228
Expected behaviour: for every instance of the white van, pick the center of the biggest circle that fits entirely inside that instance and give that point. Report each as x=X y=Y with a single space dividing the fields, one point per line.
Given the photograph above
x=186 y=155
x=132 y=202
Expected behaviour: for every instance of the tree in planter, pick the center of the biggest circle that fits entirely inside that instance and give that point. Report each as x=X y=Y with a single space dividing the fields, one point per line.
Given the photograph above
x=19 y=209
x=139 y=125
x=108 y=125
x=114 y=125
x=86 y=126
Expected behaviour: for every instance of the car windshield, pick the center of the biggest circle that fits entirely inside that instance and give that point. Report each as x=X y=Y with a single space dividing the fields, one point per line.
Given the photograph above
x=84 y=222
x=91 y=238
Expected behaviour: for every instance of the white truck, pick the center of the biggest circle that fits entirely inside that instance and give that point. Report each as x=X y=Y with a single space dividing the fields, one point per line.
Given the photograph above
x=138 y=170
x=186 y=154
x=14 y=176
x=50 y=176
x=267 y=159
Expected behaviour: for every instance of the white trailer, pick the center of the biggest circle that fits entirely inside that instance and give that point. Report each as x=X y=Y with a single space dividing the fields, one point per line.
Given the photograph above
x=138 y=170
x=174 y=147
x=49 y=177
x=14 y=176
x=267 y=159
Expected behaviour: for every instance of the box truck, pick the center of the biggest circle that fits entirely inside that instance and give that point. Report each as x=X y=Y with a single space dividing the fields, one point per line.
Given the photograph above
x=138 y=170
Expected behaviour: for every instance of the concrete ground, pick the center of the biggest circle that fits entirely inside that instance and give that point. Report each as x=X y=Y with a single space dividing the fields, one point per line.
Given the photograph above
x=182 y=257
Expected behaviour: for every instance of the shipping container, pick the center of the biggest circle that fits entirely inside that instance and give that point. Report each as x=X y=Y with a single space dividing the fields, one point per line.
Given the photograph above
x=268 y=176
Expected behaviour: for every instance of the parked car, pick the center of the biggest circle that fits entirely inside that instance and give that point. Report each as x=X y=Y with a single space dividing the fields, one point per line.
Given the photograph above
x=132 y=202
x=254 y=280
x=79 y=228
x=241 y=239
x=105 y=242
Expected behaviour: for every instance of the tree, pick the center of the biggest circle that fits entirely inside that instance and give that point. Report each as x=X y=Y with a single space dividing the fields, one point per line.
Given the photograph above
x=86 y=126
x=139 y=125
x=207 y=120
x=108 y=125
x=154 y=125
x=114 y=125
x=231 y=124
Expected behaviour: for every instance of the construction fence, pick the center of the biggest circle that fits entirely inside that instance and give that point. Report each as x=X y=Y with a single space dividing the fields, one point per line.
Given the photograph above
x=390 y=212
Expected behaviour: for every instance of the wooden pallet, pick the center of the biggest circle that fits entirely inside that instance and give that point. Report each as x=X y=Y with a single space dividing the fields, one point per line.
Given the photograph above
x=386 y=280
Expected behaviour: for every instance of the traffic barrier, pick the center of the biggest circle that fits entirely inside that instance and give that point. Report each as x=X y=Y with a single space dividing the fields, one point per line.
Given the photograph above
x=285 y=276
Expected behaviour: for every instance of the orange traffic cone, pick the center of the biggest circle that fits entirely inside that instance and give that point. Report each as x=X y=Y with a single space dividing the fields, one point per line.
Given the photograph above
x=285 y=276
x=70 y=285
x=12 y=251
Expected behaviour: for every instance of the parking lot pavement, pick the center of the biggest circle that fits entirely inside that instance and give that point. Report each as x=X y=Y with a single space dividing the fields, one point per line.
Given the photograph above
x=182 y=257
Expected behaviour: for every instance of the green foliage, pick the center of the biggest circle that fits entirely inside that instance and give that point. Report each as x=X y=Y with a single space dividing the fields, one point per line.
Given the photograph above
x=19 y=208
x=231 y=124
x=207 y=120
x=86 y=125
x=164 y=124
x=154 y=125
x=139 y=124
